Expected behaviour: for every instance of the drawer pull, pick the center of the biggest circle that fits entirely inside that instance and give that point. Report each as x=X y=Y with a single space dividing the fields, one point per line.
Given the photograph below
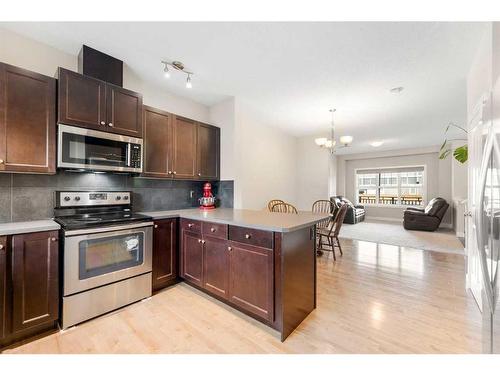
x=1 y=246
x=156 y=225
x=102 y=123
x=199 y=241
x=190 y=225
x=202 y=241
x=213 y=230
x=53 y=239
x=110 y=124
x=229 y=248
x=248 y=236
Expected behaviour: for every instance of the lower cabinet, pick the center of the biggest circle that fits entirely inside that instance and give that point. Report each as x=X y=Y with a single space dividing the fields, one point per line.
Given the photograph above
x=164 y=253
x=216 y=266
x=251 y=279
x=35 y=279
x=3 y=286
x=29 y=284
x=192 y=257
x=239 y=273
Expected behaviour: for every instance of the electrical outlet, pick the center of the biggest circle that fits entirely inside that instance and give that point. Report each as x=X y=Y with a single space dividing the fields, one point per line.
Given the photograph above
x=191 y=194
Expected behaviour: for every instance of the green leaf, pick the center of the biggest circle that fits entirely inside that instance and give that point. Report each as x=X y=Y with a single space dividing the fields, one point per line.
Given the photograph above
x=461 y=154
x=443 y=154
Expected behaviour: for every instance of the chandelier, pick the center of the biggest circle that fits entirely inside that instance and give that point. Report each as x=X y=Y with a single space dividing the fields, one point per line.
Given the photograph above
x=330 y=144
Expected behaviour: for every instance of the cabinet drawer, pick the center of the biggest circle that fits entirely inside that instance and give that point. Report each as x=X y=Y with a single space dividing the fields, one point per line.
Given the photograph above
x=191 y=225
x=214 y=229
x=250 y=236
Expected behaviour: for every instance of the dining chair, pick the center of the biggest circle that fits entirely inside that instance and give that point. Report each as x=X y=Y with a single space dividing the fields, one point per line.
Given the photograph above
x=272 y=202
x=323 y=206
x=285 y=208
x=331 y=232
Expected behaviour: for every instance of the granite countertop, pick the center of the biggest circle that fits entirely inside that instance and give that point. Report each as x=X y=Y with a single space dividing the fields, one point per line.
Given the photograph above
x=28 y=227
x=257 y=219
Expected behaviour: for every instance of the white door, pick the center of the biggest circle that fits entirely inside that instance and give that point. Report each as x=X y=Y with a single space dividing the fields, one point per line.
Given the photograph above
x=478 y=128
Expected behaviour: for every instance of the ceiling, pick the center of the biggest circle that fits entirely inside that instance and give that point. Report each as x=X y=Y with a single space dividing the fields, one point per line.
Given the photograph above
x=290 y=74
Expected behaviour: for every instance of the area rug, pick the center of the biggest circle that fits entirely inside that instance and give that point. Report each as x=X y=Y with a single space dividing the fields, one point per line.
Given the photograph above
x=392 y=233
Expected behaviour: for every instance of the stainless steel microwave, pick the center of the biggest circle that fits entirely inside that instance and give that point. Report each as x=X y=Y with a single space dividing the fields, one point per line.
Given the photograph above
x=95 y=150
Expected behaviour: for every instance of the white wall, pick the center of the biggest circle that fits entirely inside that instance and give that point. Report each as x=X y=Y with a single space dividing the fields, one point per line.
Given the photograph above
x=223 y=115
x=41 y=58
x=266 y=162
x=438 y=176
x=313 y=173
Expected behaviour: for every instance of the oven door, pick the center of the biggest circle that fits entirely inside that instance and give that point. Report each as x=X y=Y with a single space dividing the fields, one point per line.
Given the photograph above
x=100 y=256
x=80 y=148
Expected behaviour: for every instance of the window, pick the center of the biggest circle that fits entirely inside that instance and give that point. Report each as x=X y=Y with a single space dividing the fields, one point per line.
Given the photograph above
x=394 y=186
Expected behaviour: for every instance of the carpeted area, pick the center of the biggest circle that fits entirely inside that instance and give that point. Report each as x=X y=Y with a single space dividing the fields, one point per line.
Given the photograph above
x=393 y=233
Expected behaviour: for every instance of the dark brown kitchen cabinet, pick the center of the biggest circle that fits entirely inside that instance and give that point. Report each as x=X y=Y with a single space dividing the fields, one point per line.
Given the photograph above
x=192 y=258
x=81 y=100
x=184 y=148
x=157 y=125
x=123 y=111
x=164 y=253
x=208 y=152
x=27 y=121
x=3 y=286
x=90 y=103
x=216 y=265
x=251 y=279
x=35 y=272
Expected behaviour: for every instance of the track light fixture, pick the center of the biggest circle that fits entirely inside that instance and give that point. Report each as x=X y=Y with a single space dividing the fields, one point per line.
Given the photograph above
x=179 y=66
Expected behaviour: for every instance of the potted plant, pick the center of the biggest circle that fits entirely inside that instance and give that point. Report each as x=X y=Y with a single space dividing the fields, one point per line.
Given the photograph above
x=459 y=153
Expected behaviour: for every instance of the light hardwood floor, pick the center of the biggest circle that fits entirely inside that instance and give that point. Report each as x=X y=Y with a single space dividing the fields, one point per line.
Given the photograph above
x=375 y=299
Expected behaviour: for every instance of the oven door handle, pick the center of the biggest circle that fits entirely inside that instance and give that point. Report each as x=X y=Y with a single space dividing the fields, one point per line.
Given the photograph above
x=94 y=230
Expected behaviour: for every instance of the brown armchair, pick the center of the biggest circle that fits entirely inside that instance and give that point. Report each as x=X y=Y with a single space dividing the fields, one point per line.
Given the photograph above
x=428 y=218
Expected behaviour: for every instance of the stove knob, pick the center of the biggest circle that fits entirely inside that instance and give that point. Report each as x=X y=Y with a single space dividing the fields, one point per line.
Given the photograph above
x=67 y=199
x=125 y=197
x=77 y=198
x=118 y=198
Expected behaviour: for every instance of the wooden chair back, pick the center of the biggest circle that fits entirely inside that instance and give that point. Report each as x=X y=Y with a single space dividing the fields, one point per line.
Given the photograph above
x=285 y=208
x=339 y=219
x=323 y=206
x=272 y=202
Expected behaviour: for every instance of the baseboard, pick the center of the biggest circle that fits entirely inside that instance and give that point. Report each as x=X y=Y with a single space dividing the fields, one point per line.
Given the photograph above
x=446 y=225
x=381 y=218
x=460 y=234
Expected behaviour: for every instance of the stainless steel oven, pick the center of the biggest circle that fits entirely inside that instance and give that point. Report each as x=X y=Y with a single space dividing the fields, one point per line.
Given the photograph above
x=95 y=150
x=100 y=256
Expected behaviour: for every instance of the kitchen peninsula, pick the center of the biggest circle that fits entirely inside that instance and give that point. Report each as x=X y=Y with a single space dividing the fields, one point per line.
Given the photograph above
x=261 y=263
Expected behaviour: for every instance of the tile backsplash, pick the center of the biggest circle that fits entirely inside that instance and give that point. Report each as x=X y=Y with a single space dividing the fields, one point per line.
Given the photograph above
x=31 y=197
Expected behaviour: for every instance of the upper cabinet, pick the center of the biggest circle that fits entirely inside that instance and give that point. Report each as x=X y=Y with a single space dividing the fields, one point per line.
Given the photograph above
x=91 y=103
x=27 y=121
x=208 y=152
x=184 y=148
x=157 y=142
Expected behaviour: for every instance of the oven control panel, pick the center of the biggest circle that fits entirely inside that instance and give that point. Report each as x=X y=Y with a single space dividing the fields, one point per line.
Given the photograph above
x=92 y=198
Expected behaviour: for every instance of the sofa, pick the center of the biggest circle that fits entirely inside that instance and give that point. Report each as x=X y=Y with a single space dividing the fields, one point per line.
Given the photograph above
x=355 y=212
x=428 y=218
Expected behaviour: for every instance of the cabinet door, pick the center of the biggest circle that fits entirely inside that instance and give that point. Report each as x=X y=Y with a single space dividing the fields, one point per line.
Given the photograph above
x=164 y=253
x=27 y=121
x=123 y=111
x=184 y=148
x=3 y=286
x=35 y=279
x=216 y=265
x=208 y=152
x=251 y=279
x=81 y=100
x=157 y=142
x=192 y=258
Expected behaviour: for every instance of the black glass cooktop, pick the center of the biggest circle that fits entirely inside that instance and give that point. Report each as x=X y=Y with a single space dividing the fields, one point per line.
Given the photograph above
x=99 y=219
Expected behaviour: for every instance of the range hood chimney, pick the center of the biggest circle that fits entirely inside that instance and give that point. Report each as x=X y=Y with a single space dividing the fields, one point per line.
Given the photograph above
x=94 y=63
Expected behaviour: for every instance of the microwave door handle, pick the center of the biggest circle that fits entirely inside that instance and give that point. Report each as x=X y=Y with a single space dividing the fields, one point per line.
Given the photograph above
x=129 y=151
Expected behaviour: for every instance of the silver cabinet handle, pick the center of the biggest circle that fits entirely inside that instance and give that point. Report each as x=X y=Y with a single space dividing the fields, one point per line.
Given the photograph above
x=53 y=239
x=199 y=241
x=169 y=172
x=175 y=172
x=202 y=241
x=103 y=123
x=229 y=248
x=156 y=225
x=110 y=124
x=2 y=161
x=1 y=247
x=212 y=230
x=190 y=225
x=248 y=236
x=199 y=174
